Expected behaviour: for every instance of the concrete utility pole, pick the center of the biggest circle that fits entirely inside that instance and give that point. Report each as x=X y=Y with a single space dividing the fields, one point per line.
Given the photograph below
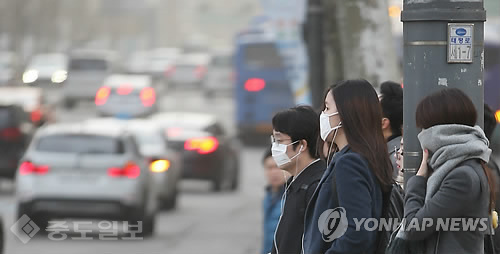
x=366 y=41
x=443 y=47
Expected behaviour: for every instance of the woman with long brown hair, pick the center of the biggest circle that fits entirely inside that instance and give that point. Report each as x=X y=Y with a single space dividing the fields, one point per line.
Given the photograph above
x=452 y=184
x=360 y=171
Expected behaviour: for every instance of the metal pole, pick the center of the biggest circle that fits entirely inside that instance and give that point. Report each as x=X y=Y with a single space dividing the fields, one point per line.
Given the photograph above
x=443 y=47
x=315 y=49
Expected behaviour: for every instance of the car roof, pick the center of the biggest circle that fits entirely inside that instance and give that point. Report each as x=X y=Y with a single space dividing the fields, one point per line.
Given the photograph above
x=84 y=128
x=27 y=97
x=185 y=119
x=131 y=126
x=182 y=135
x=136 y=81
x=142 y=125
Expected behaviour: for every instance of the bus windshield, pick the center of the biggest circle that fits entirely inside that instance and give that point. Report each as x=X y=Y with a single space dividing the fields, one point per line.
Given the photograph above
x=262 y=56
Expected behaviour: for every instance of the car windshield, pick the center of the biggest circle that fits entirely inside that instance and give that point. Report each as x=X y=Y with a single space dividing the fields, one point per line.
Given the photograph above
x=88 y=65
x=92 y=144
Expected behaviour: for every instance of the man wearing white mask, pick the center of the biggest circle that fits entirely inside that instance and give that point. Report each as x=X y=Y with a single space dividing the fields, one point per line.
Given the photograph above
x=294 y=148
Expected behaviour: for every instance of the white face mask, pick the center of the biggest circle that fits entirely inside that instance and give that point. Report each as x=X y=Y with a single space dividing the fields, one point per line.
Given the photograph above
x=278 y=152
x=324 y=125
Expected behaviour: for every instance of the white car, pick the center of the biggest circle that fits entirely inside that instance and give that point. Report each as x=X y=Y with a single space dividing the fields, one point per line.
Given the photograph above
x=85 y=171
x=46 y=69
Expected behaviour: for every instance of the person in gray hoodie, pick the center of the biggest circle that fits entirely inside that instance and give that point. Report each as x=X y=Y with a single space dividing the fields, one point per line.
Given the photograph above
x=452 y=184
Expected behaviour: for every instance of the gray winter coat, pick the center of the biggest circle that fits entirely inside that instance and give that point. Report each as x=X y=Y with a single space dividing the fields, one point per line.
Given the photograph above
x=463 y=193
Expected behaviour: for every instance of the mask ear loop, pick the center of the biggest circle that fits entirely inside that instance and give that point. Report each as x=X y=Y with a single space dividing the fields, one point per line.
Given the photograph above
x=297 y=161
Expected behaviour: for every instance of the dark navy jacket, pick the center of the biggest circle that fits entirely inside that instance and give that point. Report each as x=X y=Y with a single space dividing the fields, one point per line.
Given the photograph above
x=359 y=193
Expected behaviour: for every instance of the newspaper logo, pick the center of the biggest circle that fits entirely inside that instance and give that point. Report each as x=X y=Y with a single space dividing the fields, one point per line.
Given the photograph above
x=25 y=229
x=332 y=224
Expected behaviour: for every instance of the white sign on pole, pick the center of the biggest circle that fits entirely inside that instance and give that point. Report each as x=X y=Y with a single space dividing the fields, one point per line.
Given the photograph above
x=460 y=42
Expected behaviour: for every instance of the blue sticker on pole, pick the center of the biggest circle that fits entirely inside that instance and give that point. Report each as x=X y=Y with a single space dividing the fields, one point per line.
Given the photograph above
x=460 y=42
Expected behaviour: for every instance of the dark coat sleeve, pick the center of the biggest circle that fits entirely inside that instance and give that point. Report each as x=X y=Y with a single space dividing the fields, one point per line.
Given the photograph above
x=459 y=189
x=355 y=189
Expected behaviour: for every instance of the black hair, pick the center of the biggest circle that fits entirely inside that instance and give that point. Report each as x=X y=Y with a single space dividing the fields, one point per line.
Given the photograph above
x=490 y=121
x=360 y=112
x=392 y=105
x=446 y=106
x=300 y=123
x=267 y=154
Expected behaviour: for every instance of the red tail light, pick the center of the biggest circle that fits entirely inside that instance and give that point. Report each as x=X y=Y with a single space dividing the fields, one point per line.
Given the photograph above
x=10 y=133
x=36 y=115
x=148 y=96
x=102 y=95
x=169 y=71
x=497 y=116
x=28 y=168
x=255 y=84
x=200 y=71
x=124 y=89
x=202 y=145
x=130 y=170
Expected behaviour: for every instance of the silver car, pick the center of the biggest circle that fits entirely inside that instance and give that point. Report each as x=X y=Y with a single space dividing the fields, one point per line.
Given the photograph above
x=126 y=96
x=165 y=162
x=85 y=171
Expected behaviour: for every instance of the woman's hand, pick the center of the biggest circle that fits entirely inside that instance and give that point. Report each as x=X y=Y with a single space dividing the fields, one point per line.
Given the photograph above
x=424 y=170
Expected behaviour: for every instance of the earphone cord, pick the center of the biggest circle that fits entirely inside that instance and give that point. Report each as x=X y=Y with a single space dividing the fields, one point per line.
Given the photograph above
x=330 y=149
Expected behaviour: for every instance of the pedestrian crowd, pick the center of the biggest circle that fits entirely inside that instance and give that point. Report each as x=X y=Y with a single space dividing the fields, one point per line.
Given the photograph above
x=332 y=176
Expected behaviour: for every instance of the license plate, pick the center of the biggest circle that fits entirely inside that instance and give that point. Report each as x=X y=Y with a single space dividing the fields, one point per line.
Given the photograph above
x=123 y=116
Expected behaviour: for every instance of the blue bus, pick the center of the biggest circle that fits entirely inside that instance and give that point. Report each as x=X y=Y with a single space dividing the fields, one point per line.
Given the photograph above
x=261 y=84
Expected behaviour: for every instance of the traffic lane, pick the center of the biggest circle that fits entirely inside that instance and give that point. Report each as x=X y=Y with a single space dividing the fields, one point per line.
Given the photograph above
x=204 y=222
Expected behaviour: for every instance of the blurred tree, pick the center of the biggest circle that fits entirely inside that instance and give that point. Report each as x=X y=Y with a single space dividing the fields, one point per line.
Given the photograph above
x=359 y=41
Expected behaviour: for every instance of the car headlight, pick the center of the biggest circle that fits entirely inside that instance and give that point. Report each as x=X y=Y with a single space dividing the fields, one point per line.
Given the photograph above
x=30 y=76
x=59 y=76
